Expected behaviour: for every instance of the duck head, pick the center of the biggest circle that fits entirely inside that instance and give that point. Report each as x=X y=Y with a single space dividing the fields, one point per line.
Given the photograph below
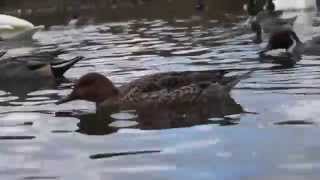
x=92 y=87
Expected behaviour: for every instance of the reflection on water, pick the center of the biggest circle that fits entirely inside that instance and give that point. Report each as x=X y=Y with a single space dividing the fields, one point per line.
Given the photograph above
x=40 y=140
x=105 y=123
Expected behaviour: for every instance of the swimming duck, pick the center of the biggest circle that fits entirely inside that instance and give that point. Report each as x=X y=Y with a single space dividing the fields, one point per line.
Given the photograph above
x=286 y=39
x=28 y=66
x=168 y=89
x=15 y=28
x=24 y=74
x=294 y=46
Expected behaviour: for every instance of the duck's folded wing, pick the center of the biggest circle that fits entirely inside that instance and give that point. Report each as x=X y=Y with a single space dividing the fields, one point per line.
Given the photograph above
x=183 y=94
x=171 y=80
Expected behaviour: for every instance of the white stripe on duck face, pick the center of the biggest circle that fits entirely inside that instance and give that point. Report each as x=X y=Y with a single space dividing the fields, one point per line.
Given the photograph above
x=293 y=46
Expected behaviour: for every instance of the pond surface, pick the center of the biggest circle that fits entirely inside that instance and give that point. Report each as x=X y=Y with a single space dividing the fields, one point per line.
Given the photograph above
x=278 y=140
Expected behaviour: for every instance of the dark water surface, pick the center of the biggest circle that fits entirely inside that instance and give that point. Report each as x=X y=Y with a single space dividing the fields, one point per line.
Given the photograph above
x=40 y=140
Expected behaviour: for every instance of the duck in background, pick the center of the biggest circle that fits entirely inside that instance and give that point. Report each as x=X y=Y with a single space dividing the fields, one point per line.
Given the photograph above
x=290 y=41
x=280 y=40
x=295 y=5
x=13 y=28
x=294 y=48
x=287 y=40
x=23 y=74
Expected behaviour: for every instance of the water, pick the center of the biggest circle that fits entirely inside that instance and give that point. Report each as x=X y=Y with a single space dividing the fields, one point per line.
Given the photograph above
x=40 y=140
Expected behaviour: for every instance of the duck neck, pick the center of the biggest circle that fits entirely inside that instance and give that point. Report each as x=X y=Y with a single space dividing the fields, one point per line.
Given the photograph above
x=256 y=27
x=297 y=46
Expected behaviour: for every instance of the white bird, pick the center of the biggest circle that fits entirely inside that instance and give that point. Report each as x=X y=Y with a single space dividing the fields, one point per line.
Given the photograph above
x=15 y=28
x=294 y=5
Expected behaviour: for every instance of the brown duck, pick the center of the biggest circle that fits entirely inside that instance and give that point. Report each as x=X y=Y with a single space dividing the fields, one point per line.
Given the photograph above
x=170 y=89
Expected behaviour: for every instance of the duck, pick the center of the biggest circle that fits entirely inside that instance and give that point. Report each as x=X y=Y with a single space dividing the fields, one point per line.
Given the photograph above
x=13 y=28
x=168 y=89
x=290 y=41
x=286 y=39
x=264 y=27
x=23 y=74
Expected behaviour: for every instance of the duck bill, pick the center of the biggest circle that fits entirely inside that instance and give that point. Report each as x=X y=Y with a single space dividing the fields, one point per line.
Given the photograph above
x=65 y=100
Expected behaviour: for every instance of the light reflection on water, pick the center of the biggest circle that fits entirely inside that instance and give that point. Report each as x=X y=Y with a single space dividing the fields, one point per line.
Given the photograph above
x=37 y=143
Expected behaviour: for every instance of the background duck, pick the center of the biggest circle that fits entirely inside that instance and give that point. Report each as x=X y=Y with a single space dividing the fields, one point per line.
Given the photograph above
x=15 y=28
x=171 y=89
x=290 y=41
x=286 y=39
x=295 y=5
x=23 y=74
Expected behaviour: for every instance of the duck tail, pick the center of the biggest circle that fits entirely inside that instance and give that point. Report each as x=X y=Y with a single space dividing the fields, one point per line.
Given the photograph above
x=236 y=79
x=59 y=68
x=2 y=53
x=292 y=20
x=40 y=27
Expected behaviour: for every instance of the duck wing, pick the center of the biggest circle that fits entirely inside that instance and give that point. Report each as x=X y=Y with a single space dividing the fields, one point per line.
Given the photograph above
x=179 y=87
x=171 y=80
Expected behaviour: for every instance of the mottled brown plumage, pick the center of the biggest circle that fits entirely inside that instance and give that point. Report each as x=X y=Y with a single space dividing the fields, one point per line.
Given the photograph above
x=161 y=89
